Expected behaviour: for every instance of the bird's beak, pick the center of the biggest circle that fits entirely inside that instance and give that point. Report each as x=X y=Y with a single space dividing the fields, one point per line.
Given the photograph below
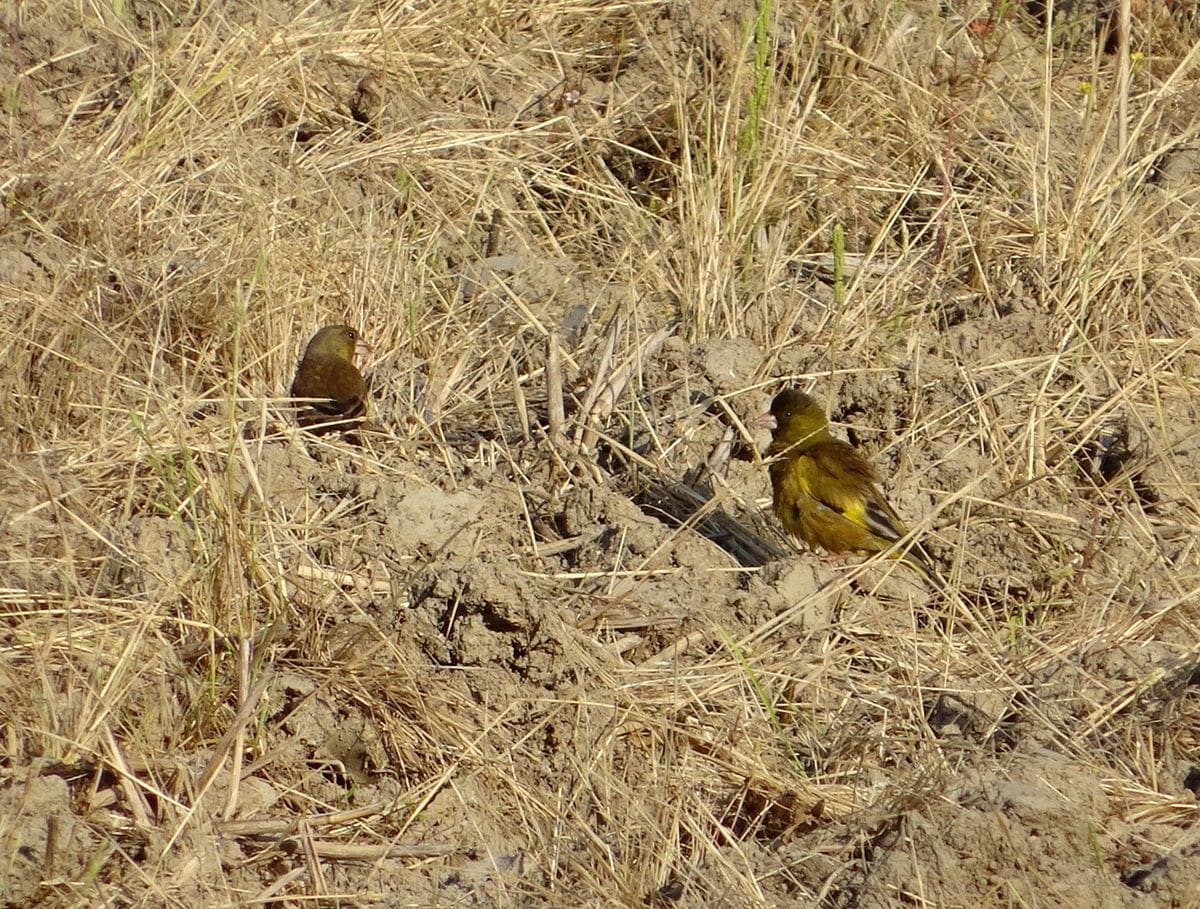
x=766 y=421
x=363 y=349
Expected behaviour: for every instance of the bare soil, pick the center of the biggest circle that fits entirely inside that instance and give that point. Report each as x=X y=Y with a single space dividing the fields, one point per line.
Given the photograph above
x=499 y=654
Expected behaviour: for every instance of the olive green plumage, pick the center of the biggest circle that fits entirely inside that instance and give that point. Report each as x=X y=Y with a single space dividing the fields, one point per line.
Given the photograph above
x=825 y=492
x=327 y=373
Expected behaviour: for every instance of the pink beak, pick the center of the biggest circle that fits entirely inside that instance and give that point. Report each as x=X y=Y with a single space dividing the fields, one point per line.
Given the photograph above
x=766 y=421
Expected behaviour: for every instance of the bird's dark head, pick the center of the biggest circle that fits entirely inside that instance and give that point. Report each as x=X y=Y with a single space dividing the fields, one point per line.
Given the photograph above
x=333 y=341
x=799 y=420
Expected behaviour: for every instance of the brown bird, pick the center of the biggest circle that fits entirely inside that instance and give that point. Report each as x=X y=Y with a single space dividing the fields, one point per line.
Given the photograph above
x=327 y=375
x=825 y=492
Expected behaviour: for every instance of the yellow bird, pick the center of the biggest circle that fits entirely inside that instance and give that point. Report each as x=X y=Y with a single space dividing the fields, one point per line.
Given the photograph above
x=328 y=375
x=825 y=492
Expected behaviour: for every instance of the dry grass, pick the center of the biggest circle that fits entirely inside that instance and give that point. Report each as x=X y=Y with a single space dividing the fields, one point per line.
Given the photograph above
x=458 y=664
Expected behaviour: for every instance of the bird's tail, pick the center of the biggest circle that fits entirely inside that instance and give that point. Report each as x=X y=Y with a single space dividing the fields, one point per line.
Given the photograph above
x=915 y=556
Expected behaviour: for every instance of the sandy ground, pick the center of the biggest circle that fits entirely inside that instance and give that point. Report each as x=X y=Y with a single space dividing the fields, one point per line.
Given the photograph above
x=487 y=659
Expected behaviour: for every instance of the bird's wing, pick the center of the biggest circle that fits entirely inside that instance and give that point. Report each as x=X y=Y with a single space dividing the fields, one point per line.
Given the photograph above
x=840 y=478
x=338 y=385
x=340 y=408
